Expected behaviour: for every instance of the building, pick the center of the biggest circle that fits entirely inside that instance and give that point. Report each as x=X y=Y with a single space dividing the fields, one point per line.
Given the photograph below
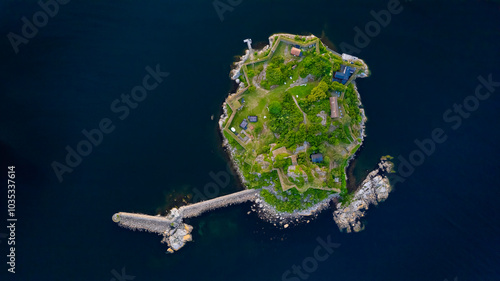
x=296 y=52
x=347 y=57
x=334 y=107
x=344 y=74
x=252 y=119
x=317 y=158
x=244 y=124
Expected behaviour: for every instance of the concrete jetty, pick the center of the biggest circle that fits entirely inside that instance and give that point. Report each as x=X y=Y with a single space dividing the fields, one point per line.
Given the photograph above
x=175 y=232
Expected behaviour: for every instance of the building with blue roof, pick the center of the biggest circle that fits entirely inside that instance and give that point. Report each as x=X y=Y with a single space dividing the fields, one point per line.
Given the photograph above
x=244 y=124
x=317 y=158
x=344 y=74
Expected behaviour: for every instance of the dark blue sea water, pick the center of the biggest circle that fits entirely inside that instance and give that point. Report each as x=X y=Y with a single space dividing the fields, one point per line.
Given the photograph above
x=441 y=223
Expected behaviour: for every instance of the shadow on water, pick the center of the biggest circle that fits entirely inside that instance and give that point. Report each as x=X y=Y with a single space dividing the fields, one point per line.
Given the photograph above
x=353 y=182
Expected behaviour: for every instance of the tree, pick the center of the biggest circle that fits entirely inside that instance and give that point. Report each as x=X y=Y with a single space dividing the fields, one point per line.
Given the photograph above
x=250 y=72
x=315 y=65
x=275 y=76
x=322 y=148
x=275 y=108
x=326 y=160
x=277 y=71
x=336 y=86
x=318 y=93
x=336 y=66
x=280 y=161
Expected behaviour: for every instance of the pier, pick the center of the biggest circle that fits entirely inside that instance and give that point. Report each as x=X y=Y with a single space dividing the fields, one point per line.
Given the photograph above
x=142 y=222
x=175 y=232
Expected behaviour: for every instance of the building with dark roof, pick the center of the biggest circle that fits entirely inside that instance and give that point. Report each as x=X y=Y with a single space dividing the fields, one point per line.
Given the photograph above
x=344 y=74
x=244 y=124
x=317 y=158
x=252 y=119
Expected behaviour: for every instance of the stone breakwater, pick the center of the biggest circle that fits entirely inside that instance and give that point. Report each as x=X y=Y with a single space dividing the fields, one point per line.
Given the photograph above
x=374 y=189
x=174 y=231
x=197 y=209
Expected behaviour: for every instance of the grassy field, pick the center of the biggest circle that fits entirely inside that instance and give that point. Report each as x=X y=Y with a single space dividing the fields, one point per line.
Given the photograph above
x=302 y=91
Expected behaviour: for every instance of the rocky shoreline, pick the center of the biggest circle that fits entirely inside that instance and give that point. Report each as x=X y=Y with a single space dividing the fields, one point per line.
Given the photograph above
x=267 y=212
x=374 y=189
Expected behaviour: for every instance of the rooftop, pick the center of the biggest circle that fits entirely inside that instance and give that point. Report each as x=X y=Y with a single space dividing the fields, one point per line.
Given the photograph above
x=317 y=158
x=334 y=107
x=296 y=52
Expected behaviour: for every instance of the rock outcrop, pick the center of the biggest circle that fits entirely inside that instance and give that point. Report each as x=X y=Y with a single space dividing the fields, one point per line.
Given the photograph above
x=374 y=189
x=177 y=233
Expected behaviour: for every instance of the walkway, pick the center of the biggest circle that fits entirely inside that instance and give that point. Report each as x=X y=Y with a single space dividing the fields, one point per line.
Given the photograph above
x=305 y=116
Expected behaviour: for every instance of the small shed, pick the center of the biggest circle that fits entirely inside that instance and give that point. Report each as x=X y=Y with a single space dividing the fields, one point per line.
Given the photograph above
x=252 y=119
x=244 y=124
x=317 y=158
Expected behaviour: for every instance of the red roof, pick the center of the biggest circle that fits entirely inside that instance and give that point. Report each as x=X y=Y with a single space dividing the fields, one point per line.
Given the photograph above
x=295 y=51
x=334 y=107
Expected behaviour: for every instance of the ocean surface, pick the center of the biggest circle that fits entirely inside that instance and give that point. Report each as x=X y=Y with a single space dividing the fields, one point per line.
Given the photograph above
x=440 y=223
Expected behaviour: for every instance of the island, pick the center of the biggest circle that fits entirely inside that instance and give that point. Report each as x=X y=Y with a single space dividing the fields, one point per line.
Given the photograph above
x=291 y=129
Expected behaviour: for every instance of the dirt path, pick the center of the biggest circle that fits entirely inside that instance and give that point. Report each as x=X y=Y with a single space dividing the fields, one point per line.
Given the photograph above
x=296 y=103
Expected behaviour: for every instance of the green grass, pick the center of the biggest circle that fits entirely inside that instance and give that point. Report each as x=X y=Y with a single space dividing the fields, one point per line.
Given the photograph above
x=280 y=50
x=348 y=132
x=356 y=148
x=301 y=91
x=233 y=142
x=255 y=104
